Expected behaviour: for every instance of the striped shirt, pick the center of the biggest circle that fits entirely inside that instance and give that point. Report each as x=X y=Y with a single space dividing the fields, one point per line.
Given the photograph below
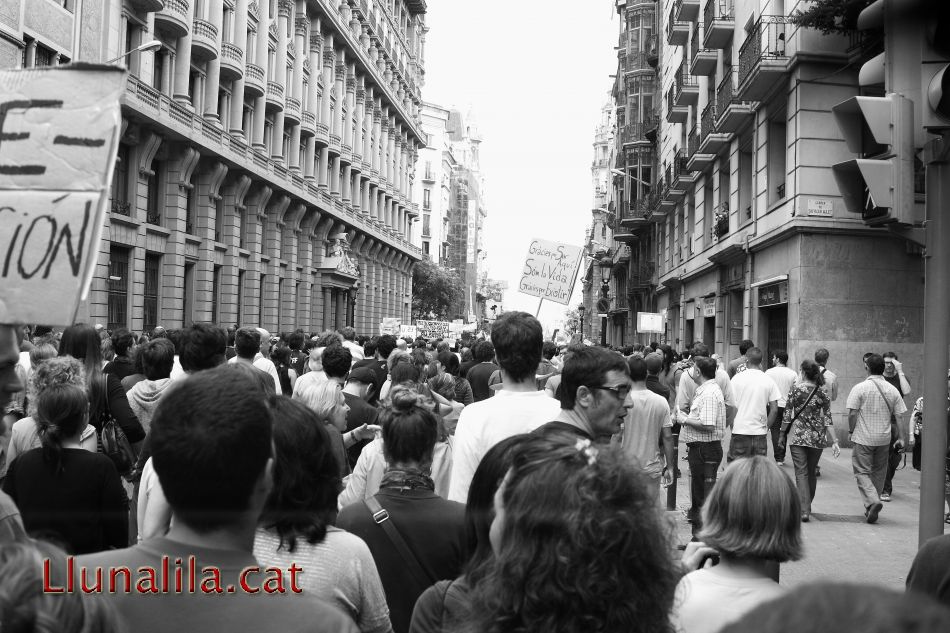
x=709 y=409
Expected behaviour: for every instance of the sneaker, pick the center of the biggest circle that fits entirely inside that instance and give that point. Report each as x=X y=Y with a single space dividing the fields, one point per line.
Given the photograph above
x=817 y=471
x=885 y=496
x=872 y=512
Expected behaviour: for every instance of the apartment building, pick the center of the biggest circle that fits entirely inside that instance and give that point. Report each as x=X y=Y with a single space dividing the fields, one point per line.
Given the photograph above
x=433 y=184
x=751 y=238
x=264 y=174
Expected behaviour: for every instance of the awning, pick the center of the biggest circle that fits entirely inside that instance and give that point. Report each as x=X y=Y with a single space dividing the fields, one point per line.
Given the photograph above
x=770 y=280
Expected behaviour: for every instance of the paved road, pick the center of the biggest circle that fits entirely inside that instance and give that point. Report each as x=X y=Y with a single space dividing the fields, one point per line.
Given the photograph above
x=839 y=544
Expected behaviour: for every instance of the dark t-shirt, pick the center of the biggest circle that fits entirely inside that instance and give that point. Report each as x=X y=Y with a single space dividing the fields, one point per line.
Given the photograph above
x=84 y=506
x=465 y=366
x=478 y=377
x=382 y=372
x=360 y=413
x=434 y=531
x=895 y=380
x=185 y=610
x=657 y=387
x=121 y=367
x=561 y=427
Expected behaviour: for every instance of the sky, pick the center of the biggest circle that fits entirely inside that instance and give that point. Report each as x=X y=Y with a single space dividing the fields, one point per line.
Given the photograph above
x=535 y=74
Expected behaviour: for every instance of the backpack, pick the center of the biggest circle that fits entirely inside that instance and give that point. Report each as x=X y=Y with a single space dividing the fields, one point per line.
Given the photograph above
x=112 y=441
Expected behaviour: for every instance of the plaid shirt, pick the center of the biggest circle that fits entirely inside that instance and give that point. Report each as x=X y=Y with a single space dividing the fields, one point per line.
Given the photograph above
x=874 y=415
x=709 y=408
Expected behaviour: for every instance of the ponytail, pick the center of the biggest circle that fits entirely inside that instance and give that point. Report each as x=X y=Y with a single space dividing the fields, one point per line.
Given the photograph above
x=61 y=412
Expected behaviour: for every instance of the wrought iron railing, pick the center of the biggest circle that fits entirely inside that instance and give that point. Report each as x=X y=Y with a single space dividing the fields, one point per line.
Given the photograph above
x=725 y=92
x=684 y=79
x=121 y=208
x=717 y=10
x=692 y=142
x=765 y=40
x=707 y=122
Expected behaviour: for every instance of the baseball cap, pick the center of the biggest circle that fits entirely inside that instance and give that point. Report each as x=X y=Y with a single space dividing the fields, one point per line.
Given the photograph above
x=364 y=375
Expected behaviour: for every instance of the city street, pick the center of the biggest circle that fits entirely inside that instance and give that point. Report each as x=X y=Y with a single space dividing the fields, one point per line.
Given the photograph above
x=839 y=544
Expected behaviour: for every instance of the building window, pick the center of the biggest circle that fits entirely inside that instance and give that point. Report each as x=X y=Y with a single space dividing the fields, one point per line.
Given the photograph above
x=241 y=215
x=240 y=297
x=191 y=204
x=216 y=219
x=280 y=303
x=153 y=213
x=260 y=301
x=120 y=182
x=426 y=220
x=215 y=279
x=158 y=70
x=118 y=287
x=426 y=198
x=153 y=267
x=425 y=248
x=776 y=163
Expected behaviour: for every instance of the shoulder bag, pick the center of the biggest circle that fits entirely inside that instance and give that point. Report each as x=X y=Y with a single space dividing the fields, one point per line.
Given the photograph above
x=797 y=413
x=895 y=433
x=112 y=440
x=381 y=517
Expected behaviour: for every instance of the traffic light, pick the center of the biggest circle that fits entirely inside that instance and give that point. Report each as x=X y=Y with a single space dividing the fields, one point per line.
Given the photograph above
x=935 y=67
x=879 y=184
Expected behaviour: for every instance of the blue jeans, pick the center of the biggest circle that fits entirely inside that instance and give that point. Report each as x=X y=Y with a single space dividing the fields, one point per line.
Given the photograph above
x=704 y=460
x=870 y=468
x=806 y=459
x=747 y=446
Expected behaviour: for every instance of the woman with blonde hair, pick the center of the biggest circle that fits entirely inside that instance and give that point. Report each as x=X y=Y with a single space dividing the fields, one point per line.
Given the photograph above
x=325 y=398
x=750 y=522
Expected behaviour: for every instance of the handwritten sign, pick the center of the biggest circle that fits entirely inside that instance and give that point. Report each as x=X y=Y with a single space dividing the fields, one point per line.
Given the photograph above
x=549 y=270
x=389 y=325
x=649 y=322
x=433 y=329
x=59 y=135
x=408 y=331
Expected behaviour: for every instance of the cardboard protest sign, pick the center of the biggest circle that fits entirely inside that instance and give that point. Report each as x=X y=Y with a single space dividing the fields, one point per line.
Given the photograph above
x=59 y=134
x=408 y=331
x=433 y=329
x=389 y=325
x=549 y=270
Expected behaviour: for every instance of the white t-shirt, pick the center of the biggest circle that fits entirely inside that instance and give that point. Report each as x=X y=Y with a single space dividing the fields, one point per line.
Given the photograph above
x=784 y=379
x=310 y=378
x=484 y=424
x=266 y=365
x=641 y=430
x=707 y=600
x=753 y=391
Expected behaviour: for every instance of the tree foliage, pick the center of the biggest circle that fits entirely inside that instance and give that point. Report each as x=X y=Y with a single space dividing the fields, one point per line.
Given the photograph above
x=434 y=291
x=831 y=16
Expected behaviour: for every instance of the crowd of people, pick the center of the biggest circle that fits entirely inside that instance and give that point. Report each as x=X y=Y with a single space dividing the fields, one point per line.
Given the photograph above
x=234 y=480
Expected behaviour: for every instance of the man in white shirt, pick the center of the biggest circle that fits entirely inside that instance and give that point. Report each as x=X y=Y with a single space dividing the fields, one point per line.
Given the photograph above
x=784 y=378
x=247 y=345
x=647 y=424
x=349 y=342
x=686 y=389
x=517 y=408
x=757 y=401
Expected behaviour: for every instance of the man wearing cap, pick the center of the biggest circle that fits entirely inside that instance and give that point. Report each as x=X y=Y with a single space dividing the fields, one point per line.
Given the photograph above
x=357 y=391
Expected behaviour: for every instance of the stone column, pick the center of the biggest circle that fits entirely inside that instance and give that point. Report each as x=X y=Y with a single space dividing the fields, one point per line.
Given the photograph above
x=329 y=57
x=280 y=72
x=339 y=93
x=327 y=302
x=236 y=123
x=260 y=103
x=183 y=59
x=213 y=82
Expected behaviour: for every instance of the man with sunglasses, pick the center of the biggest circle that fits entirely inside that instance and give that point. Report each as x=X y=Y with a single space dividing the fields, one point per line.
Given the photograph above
x=594 y=395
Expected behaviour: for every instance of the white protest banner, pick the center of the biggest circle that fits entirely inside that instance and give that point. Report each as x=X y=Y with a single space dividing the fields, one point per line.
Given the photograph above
x=408 y=331
x=649 y=322
x=59 y=135
x=433 y=329
x=389 y=325
x=549 y=270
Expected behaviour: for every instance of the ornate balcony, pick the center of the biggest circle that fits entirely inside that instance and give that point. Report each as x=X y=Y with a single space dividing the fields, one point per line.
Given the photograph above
x=719 y=23
x=204 y=40
x=637 y=213
x=642 y=275
x=323 y=134
x=308 y=124
x=702 y=61
x=653 y=51
x=682 y=177
x=687 y=88
x=291 y=111
x=275 y=96
x=677 y=33
x=710 y=140
x=720 y=225
x=634 y=134
x=763 y=61
x=675 y=113
x=686 y=10
x=732 y=114
x=254 y=81
x=232 y=61
x=694 y=159
x=173 y=18
x=149 y=6
x=636 y=63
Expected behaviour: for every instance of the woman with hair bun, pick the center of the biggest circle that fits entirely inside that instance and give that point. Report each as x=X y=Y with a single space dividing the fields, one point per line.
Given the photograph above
x=578 y=545
x=65 y=492
x=429 y=540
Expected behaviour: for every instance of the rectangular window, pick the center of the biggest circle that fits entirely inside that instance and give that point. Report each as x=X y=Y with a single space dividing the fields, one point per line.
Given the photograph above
x=215 y=279
x=776 y=163
x=240 y=296
x=153 y=269
x=118 y=287
x=156 y=180
x=188 y=300
x=120 y=182
x=280 y=303
x=426 y=198
x=191 y=204
x=241 y=215
x=425 y=248
x=426 y=228
x=218 y=217
x=260 y=301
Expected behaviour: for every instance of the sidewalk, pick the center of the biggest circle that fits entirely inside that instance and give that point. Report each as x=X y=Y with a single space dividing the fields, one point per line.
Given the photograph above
x=839 y=544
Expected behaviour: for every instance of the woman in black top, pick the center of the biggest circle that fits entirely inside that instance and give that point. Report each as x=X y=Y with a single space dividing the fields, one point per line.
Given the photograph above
x=66 y=493
x=104 y=391
x=285 y=369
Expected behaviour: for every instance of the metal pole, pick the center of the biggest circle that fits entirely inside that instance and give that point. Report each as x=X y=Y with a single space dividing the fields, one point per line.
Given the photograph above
x=936 y=339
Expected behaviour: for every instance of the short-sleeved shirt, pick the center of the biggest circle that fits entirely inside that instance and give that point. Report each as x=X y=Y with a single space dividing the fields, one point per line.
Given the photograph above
x=784 y=379
x=753 y=391
x=706 y=600
x=873 y=427
x=686 y=391
x=642 y=427
x=709 y=408
x=812 y=418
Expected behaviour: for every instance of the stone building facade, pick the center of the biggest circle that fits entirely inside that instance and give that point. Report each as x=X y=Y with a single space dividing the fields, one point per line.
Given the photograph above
x=266 y=162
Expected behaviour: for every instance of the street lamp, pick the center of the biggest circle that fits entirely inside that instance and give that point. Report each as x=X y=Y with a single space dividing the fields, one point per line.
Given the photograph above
x=581 y=310
x=153 y=45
